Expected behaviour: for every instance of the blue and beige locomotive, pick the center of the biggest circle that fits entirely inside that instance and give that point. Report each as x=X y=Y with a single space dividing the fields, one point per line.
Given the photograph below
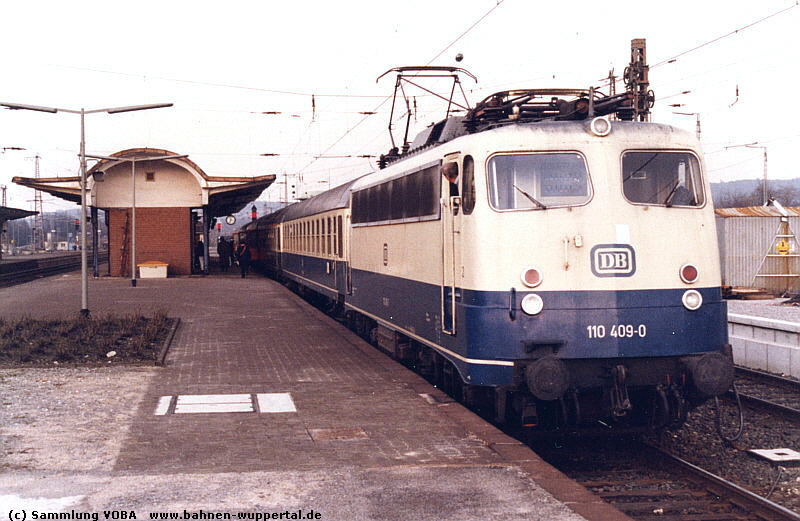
x=547 y=257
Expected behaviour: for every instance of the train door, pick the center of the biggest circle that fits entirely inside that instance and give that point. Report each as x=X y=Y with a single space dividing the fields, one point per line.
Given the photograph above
x=451 y=203
x=347 y=241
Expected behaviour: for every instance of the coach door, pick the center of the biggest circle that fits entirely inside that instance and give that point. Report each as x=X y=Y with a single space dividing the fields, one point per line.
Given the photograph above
x=451 y=203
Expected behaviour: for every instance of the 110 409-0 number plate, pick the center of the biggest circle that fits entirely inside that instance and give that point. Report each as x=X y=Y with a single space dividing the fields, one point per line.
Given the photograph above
x=617 y=331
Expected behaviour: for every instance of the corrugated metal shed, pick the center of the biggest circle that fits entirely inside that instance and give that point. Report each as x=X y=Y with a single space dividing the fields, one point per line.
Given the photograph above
x=745 y=236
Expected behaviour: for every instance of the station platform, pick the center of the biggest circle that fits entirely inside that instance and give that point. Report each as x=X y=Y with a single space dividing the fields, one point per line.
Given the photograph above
x=265 y=404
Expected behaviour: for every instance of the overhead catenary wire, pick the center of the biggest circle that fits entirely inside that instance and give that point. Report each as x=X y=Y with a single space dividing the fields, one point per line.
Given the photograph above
x=675 y=57
x=387 y=98
x=221 y=85
x=735 y=31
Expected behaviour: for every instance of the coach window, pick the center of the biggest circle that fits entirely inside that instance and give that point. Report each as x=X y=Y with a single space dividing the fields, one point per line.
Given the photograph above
x=340 y=232
x=325 y=236
x=322 y=236
x=468 y=186
x=317 y=236
x=329 y=237
x=662 y=178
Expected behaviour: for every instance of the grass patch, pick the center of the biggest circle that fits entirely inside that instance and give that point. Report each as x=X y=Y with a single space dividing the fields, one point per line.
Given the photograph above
x=96 y=340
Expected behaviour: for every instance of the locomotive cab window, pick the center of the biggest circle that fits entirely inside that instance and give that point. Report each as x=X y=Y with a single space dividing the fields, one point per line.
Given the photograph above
x=662 y=178
x=538 y=181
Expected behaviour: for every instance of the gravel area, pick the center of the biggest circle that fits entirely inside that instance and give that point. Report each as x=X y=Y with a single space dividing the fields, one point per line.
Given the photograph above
x=698 y=442
x=67 y=418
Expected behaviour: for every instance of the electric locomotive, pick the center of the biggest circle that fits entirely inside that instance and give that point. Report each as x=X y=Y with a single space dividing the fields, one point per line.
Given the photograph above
x=535 y=257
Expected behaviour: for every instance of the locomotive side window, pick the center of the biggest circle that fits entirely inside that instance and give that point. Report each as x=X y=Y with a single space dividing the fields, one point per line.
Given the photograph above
x=468 y=186
x=662 y=178
x=411 y=197
x=538 y=181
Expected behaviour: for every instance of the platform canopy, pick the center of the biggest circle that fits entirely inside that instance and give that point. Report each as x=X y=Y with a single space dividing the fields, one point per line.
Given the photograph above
x=177 y=181
x=11 y=214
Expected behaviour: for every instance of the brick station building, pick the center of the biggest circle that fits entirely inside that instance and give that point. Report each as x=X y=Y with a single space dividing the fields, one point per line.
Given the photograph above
x=175 y=204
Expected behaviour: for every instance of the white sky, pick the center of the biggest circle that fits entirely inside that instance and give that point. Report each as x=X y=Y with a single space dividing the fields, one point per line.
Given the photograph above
x=222 y=66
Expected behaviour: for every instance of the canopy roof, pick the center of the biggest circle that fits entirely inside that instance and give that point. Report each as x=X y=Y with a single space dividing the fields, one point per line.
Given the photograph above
x=10 y=214
x=224 y=195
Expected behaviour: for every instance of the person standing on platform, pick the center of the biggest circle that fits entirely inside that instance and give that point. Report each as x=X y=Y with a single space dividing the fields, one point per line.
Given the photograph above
x=224 y=251
x=199 y=254
x=243 y=256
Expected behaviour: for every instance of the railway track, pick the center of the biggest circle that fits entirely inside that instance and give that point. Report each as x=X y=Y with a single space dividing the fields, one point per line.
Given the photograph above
x=647 y=484
x=774 y=393
x=19 y=272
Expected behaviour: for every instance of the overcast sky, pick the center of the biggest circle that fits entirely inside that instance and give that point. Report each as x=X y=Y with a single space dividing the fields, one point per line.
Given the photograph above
x=224 y=66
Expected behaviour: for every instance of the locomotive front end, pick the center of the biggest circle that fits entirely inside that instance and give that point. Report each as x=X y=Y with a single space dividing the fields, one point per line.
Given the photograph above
x=606 y=281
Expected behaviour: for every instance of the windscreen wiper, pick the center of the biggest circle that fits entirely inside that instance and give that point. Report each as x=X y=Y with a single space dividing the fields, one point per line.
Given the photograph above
x=530 y=197
x=668 y=200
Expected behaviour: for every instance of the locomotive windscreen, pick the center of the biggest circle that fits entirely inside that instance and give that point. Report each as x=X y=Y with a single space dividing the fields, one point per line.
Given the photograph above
x=525 y=181
x=662 y=178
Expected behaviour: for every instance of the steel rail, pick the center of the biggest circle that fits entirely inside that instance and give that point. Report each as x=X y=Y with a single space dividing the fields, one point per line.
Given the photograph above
x=740 y=496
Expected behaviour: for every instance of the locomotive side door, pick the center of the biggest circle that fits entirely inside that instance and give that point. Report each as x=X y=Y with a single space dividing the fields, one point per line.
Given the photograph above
x=451 y=204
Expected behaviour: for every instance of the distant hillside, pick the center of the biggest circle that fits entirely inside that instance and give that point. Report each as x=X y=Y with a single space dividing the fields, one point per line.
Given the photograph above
x=748 y=192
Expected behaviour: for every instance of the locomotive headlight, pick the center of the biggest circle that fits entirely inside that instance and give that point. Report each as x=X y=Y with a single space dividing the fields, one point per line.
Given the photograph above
x=532 y=304
x=600 y=127
x=689 y=273
x=531 y=277
x=692 y=300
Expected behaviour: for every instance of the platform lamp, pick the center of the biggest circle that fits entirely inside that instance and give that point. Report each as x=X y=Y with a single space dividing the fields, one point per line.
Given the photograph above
x=132 y=161
x=83 y=112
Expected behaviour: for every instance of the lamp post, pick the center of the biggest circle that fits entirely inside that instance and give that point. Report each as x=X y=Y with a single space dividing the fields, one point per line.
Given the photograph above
x=83 y=112
x=764 y=190
x=132 y=161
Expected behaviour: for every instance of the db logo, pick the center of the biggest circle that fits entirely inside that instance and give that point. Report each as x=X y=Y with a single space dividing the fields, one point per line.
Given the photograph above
x=613 y=260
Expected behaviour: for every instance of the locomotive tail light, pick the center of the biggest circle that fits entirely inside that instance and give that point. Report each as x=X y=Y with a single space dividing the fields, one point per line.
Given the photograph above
x=689 y=273
x=532 y=304
x=600 y=126
x=531 y=277
x=692 y=300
